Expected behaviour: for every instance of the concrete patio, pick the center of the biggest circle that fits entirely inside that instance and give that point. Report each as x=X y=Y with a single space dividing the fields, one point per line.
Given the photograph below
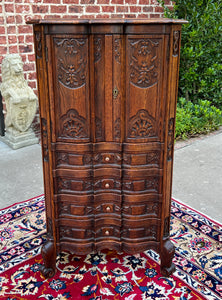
x=197 y=179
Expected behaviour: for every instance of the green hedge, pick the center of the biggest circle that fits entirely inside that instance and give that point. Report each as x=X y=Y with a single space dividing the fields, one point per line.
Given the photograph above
x=193 y=119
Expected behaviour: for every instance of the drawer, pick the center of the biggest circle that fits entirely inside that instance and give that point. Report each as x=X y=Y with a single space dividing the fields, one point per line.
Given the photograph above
x=146 y=185
x=70 y=210
x=67 y=233
x=152 y=158
x=72 y=185
x=141 y=229
x=63 y=159
x=108 y=232
x=107 y=184
x=148 y=209
x=107 y=208
x=107 y=158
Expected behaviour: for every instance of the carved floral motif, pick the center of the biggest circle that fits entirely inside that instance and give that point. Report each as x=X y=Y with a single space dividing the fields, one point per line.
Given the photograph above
x=117 y=49
x=141 y=125
x=176 y=38
x=97 y=49
x=38 y=44
x=73 y=125
x=170 y=141
x=143 y=62
x=45 y=140
x=72 y=60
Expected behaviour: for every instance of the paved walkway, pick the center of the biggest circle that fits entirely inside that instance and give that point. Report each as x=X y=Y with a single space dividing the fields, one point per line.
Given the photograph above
x=197 y=177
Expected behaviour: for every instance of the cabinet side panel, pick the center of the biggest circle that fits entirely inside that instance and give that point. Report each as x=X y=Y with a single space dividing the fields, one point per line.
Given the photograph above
x=41 y=65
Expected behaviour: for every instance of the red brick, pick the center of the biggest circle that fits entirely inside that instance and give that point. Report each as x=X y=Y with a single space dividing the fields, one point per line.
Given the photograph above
x=29 y=67
x=29 y=39
x=87 y=16
x=52 y=1
x=103 y=1
x=9 y=8
x=13 y=49
x=25 y=49
x=18 y=19
x=107 y=8
x=2 y=29
x=130 y=16
x=32 y=76
x=154 y=15
x=135 y=9
x=52 y=16
x=75 y=9
x=92 y=9
x=142 y=16
x=146 y=2
x=32 y=84
x=123 y=9
x=87 y=1
x=12 y=39
x=117 y=1
x=22 y=9
x=10 y=20
x=103 y=16
x=58 y=9
x=3 y=39
x=154 y=2
x=158 y=9
x=24 y=29
x=31 y=57
x=130 y=1
x=11 y=30
x=147 y=9
x=21 y=39
x=43 y=9
x=0 y=9
x=70 y=1
x=70 y=16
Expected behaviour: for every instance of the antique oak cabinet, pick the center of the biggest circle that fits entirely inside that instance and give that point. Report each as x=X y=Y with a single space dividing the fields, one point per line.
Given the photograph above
x=107 y=91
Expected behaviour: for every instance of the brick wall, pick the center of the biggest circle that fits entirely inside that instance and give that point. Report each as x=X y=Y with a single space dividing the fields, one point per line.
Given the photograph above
x=16 y=36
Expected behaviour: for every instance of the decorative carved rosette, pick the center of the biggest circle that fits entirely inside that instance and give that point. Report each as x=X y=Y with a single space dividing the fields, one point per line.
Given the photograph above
x=142 y=125
x=143 y=62
x=73 y=125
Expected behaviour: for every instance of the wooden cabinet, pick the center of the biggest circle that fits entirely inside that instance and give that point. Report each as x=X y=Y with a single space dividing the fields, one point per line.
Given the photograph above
x=107 y=91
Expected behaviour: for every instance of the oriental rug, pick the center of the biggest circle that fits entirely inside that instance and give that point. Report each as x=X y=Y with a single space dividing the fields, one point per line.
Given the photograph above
x=109 y=275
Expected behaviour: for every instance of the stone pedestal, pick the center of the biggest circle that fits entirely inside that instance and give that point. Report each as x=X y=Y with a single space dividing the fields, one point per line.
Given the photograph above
x=19 y=140
x=21 y=104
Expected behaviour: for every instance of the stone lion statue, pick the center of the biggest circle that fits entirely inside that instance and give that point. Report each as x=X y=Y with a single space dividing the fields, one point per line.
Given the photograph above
x=21 y=101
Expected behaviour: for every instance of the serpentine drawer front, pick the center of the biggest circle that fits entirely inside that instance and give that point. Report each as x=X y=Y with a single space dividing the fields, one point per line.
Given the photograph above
x=107 y=91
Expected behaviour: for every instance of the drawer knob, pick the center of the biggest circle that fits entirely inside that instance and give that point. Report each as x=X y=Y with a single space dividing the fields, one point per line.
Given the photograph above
x=107 y=185
x=108 y=208
x=106 y=232
x=107 y=158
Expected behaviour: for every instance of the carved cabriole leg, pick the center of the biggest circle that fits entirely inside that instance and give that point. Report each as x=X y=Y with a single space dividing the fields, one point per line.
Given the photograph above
x=49 y=257
x=167 y=252
x=49 y=253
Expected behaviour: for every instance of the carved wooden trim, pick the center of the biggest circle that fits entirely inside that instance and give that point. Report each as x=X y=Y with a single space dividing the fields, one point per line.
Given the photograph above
x=143 y=62
x=176 y=39
x=97 y=49
x=38 y=39
x=170 y=141
x=73 y=125
x=72 y=65
x=117 y=129
x=117 y=45
x=141 y=125
x=45 y=140
x=166 y=227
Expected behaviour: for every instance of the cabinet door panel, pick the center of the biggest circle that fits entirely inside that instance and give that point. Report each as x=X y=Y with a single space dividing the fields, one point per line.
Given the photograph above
x=71 y=88
x=144 y=66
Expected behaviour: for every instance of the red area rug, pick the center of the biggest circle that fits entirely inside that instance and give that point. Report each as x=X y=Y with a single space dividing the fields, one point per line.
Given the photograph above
x=109 y=275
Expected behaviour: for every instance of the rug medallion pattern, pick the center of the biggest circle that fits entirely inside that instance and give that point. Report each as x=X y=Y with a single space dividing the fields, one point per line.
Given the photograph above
x=109 y=275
